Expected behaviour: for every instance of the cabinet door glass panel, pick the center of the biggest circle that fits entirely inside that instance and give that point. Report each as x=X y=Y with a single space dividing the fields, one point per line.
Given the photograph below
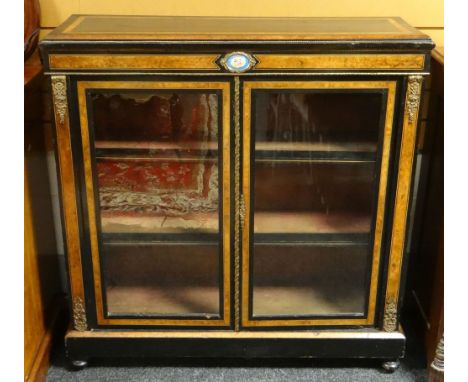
x=315 y=279
x=158 y=176
x=313 y=194
x=162 y=278
x=157 y=162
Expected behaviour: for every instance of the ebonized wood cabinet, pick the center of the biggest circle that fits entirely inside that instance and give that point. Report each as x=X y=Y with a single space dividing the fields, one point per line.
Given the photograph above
x=236 y=186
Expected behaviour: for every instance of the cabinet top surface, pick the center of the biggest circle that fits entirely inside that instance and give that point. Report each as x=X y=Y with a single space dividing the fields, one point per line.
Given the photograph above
x=179 y=28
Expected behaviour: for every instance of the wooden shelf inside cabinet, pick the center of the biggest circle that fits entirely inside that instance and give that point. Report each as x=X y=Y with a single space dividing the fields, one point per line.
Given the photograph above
x=310 y=223
x=316 y=146
x=156 y=157
x=315 y=151
x=200 y=223
x=129 y=145
x=150 y=239
x=264 y=151
x=264 y=223
x=157 y=150
x=147 y=301
x=153 y=300
x=307 y=300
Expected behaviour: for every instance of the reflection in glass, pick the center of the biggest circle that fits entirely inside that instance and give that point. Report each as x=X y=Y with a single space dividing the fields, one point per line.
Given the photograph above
x=157 y=171
x=162 y=279
x=313 y=197
x=314 y=194
x=155 y=117
x=332 y=119
x=310 y=280
x=157 y=165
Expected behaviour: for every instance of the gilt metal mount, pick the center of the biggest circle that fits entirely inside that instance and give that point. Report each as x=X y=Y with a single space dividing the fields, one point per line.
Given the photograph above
x=79 y=315
x=59 y=91
x=390 y=316
x=413 y=97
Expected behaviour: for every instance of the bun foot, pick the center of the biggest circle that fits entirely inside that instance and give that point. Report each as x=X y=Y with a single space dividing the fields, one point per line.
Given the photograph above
x=390 y=366
x=77 y=365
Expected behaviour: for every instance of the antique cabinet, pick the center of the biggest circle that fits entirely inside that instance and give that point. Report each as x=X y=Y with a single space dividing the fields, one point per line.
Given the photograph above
x=236 y=187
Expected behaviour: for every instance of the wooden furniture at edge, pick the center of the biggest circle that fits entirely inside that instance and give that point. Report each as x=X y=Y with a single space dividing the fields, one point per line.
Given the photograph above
x=41 y=280
x=435 y=335
x=425 y=290
x=236 y=187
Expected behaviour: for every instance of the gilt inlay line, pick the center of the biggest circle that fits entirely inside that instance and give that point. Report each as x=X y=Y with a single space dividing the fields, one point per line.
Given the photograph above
x=237 y=202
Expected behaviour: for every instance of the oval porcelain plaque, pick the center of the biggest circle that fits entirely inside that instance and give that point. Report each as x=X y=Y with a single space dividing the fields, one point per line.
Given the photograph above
x=238 y=62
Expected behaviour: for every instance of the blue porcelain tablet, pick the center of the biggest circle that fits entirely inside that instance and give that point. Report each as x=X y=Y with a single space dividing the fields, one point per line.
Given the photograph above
x=238 y=62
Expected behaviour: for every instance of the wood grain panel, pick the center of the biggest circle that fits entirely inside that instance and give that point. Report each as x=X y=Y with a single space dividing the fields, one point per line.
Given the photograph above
x=312 y=334
x=437 y=34
x=419 y=13
x=40 y=262
x=137 y=61
x=67 y=178
x=130 y=28
x=402 y=197
x=340 y=61
x=34 y=326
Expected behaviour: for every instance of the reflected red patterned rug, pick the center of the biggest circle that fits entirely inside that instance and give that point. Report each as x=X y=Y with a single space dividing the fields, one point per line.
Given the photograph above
x=157 y=187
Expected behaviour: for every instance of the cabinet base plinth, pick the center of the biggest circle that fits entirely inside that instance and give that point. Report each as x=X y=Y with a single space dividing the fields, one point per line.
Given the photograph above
x=313 y=344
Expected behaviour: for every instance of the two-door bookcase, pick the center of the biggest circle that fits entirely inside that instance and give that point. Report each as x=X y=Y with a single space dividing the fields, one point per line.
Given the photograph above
x=236 y=187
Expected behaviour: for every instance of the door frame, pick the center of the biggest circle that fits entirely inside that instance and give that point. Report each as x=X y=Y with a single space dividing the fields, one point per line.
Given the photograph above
x=247 y=320
x=82 y=86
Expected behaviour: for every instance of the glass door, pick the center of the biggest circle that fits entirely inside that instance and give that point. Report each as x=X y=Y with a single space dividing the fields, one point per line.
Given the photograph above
x=157 y=177
x=315 y=165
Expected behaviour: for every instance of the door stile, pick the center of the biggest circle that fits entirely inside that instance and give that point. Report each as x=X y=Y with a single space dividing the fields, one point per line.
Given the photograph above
x=402 y=199
x=69 y=201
